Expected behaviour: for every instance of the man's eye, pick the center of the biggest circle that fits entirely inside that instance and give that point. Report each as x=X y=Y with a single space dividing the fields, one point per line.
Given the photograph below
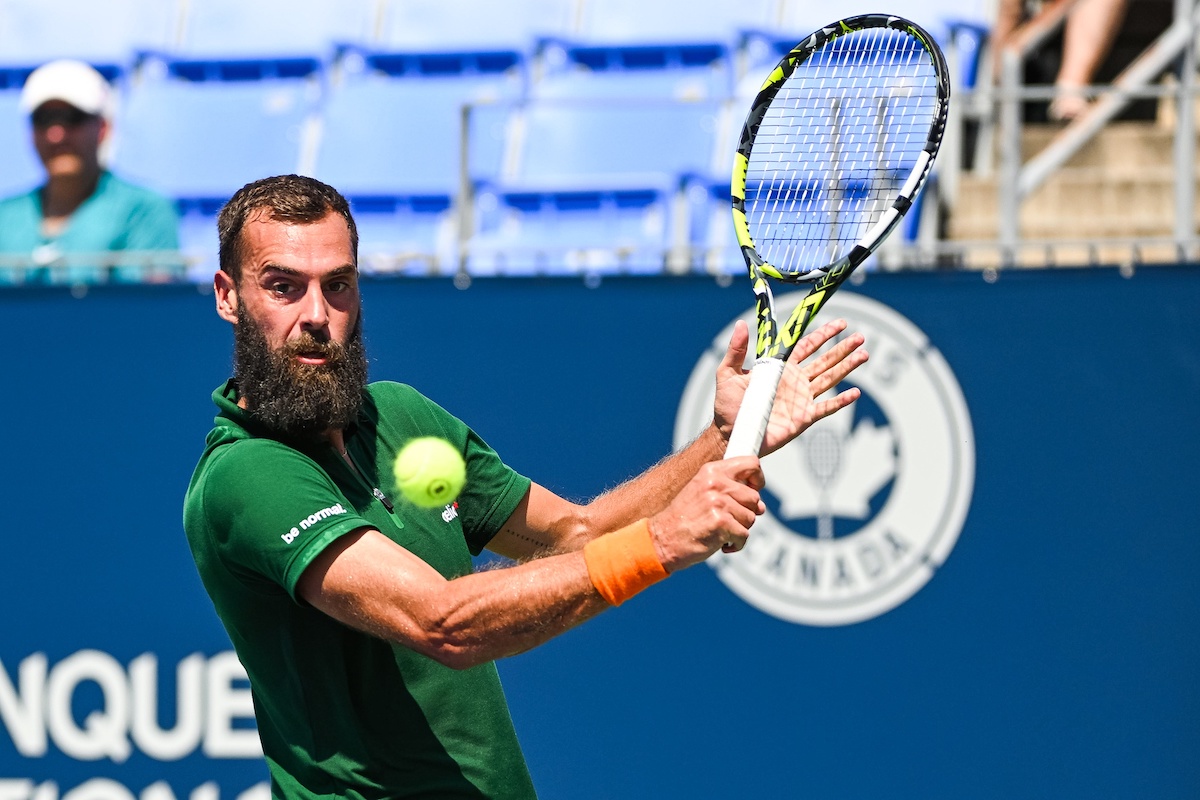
x=280 y=288
x=339 y=286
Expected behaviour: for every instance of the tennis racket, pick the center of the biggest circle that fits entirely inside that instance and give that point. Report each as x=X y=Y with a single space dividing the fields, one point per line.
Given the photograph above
x=840 y=139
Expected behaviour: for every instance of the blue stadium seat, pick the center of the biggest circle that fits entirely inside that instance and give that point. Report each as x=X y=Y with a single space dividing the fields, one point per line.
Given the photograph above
x=625 y=231
x=411 y=235
x=638 y=21
x=611 y=144
x=208 y=139
x=110 y=33
x=20 y=168
x=393 y=146
x=592 y=185
x=660 y=48
x=470 y=25
x=201 y=142
x=617 y=143
x=402 y=134
x=579 y=77
x=274 y=28
x=231 y=40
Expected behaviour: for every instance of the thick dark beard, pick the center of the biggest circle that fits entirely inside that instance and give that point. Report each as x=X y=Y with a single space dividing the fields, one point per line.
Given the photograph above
x=297 y=400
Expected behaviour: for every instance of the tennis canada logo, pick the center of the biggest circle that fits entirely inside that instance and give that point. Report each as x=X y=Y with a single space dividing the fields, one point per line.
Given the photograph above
x=867 y=504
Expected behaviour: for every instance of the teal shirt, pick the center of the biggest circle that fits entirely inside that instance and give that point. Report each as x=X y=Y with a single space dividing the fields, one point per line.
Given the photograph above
x=341 y=713
x=119 y=216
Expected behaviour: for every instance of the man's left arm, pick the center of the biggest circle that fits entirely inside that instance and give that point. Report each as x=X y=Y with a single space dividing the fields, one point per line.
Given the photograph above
x=545 y=523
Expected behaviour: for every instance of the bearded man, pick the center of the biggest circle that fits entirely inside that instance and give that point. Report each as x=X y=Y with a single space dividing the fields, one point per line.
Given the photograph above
x=367 y=637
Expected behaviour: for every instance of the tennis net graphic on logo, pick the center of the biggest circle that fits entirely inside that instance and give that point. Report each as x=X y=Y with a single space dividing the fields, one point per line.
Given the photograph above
x=866 y=505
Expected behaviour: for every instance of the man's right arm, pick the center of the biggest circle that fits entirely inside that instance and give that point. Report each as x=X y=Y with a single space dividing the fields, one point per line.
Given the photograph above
x=368 y=582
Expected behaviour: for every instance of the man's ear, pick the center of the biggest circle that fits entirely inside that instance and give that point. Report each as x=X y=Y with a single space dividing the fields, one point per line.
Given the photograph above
x=226 y=293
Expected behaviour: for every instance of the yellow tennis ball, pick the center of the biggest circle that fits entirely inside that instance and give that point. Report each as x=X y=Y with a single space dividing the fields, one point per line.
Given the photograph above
x=430 y=472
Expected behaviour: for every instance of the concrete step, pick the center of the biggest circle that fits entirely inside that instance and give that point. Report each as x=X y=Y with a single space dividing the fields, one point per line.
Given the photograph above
x=1080 y=202
x=1121 y=148
x=1119 y=185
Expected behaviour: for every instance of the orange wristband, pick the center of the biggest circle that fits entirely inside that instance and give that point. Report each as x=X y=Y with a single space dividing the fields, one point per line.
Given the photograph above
x=623 y=562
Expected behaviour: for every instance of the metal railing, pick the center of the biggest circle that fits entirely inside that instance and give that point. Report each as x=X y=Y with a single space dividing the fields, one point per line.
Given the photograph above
x=1017 y=180
x=77 y=269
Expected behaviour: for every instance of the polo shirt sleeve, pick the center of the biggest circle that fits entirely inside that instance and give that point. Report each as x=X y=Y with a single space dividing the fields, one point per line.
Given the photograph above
x=271 y=510
x=493 y=489
x=492 y=493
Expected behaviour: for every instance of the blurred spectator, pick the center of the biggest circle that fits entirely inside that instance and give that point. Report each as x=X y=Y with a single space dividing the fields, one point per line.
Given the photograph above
x=1088 y=35
x=83 y=212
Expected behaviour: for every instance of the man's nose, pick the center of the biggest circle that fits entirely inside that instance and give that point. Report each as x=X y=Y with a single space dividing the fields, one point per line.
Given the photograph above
x=314 y=315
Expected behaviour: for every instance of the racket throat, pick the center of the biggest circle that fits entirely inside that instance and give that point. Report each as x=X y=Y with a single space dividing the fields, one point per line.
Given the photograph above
x=767 y=344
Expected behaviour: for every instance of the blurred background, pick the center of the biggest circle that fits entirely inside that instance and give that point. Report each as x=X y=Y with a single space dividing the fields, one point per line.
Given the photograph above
x=595 y=136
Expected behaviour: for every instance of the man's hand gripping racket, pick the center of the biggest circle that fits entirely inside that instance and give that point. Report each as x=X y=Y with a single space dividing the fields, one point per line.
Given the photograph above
x=838 y=142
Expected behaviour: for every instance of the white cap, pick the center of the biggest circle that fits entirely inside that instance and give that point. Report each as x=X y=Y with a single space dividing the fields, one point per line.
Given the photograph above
x=71 y=81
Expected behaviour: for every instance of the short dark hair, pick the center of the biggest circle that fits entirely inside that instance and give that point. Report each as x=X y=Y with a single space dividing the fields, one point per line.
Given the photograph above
x=287 y=198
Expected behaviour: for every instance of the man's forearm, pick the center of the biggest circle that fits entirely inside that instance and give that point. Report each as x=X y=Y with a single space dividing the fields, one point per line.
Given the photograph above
x=545 y=523
x=654 y=489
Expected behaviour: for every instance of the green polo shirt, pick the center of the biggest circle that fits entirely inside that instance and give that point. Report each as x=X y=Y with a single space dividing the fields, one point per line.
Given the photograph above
x=340 y=713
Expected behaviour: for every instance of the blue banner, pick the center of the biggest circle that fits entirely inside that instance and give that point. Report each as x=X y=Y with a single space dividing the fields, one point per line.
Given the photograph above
x=977 y=582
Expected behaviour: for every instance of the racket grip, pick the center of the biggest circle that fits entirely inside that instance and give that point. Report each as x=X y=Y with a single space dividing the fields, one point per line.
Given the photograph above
x=751 y=424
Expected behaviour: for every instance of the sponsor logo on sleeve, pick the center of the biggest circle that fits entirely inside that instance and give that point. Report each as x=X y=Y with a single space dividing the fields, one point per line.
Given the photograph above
x=312 y=519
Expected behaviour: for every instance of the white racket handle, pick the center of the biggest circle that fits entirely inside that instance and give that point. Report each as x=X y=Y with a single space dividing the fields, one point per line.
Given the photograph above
x=751 y=423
